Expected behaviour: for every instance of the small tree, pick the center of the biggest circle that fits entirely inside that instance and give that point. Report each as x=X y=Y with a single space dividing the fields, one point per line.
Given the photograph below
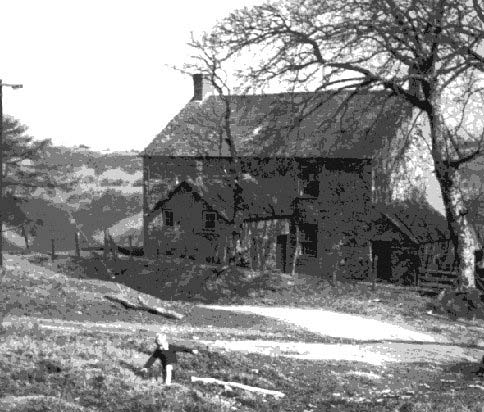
x=208 y=64
x=24 y=172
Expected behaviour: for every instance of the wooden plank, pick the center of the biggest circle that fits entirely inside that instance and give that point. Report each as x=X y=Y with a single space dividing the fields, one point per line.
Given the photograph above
x=442 y=272
x=435 y=285
x=228 y=385
x=428 y=282
x=434 y=276
x=144 y=306
x=444 y=282
x=438 y=278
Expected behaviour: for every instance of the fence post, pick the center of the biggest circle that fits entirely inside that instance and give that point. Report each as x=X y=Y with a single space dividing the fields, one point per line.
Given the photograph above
x=374 y=273
x=372 y=265
x=114 y=249
x=52 y=250
x=26 y=238
x=157 y=260
x=106 y=245
x=76 y=241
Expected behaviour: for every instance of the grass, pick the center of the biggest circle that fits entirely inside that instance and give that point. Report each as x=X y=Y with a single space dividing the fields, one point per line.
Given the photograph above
x=100 y=372
x=81 y=368
x=182 y=280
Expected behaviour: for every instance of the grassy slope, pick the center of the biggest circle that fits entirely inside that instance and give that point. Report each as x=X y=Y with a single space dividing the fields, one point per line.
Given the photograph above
x=98 y=369
x=183 y=280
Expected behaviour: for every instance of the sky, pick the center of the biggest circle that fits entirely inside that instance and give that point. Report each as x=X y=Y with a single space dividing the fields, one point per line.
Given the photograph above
x=98 y=72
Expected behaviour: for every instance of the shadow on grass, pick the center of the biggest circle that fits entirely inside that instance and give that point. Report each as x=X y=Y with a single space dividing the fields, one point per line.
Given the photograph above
x=173 y=279
x=469 y=370
x=154 y=372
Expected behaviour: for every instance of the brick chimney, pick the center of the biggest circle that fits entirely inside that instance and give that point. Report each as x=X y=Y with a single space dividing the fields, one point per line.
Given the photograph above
x=202 y=87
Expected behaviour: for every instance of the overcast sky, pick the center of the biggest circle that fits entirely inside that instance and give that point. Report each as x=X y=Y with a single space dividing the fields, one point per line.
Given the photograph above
x=95 y=71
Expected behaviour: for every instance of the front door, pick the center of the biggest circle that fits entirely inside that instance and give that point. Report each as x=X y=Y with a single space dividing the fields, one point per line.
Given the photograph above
x=281 y=252
x=382 y=253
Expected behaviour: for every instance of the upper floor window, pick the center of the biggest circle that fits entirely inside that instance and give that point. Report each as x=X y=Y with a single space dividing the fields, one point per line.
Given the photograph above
x=310 y=187
x=209 y=220
x=168 y=215
x=309 y=180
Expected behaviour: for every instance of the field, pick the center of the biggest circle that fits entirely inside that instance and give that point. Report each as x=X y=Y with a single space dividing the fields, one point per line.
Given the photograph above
x=65 y=347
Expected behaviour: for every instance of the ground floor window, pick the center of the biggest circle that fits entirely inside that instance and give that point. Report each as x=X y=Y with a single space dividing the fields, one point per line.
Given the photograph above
x=168 y=217
x=309 y=239
x=209 y=219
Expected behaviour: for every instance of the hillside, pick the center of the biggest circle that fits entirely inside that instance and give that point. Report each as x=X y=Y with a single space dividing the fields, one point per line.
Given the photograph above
x=65 y=347
x=69 y=158
x=106 y=188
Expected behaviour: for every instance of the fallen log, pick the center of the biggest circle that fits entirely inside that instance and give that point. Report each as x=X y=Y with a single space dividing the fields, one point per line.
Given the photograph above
x=145 y=307
x=160 y=311
x=263 y=391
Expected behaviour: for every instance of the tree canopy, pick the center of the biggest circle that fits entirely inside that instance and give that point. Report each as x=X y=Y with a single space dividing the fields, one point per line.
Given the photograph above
x=429 y=53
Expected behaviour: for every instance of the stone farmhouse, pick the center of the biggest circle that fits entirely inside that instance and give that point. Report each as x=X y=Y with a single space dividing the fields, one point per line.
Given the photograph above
x=313 y=167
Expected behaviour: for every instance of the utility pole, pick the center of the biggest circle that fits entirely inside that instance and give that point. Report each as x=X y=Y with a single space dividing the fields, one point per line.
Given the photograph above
x=1 y=179
x=2 y=205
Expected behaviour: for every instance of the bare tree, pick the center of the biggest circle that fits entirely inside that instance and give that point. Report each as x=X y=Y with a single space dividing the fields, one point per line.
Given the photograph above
x=208 y=63
x=428 y=53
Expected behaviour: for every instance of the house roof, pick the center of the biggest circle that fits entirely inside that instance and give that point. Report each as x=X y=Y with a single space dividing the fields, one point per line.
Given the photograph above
x=419 y=222
x=319 y=124
x=257 y=200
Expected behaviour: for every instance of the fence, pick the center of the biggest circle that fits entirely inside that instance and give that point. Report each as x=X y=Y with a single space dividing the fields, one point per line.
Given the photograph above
x=435 y=280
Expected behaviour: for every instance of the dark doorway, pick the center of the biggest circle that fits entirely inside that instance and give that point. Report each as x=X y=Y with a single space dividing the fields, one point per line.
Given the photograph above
x=281 y=252
x=382 y=258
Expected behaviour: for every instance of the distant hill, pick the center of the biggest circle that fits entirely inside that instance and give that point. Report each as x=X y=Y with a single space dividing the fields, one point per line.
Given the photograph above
x=70 y=158
x=107 y=188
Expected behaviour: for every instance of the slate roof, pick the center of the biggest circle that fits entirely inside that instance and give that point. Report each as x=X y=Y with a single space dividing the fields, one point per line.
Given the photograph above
x=319 y=124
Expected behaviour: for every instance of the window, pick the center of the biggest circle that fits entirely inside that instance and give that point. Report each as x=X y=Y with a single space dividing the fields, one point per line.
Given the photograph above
x=168 y=217
x=309 y=180
x=209 y=219
x=309 y=239
x=311 y=188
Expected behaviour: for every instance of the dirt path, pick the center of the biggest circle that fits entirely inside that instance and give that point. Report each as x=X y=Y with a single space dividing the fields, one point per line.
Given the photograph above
x=396 y=344
x=371 y=353
x=374 y=353
x=333 y=324
x=377 y=342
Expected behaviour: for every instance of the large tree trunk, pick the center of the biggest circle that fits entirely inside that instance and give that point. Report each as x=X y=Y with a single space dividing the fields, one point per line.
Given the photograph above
x=461 y=231
x=462 y=234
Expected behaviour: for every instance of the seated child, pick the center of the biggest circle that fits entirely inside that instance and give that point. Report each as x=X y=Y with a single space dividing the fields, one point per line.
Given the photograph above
x=167 y=355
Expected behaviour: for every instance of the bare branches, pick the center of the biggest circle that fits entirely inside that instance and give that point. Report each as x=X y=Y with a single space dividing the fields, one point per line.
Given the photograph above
x=428 y=54
x=479 y=9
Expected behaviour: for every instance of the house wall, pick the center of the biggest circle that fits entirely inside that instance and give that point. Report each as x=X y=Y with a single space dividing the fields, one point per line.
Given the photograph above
x=187 y=236
x=341 y=211
x=259 y=243
x=162 y=174
x=403 y=166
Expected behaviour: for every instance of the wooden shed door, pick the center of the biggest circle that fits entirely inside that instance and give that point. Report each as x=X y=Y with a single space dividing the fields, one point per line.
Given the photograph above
x=281 y=252
x=382 y=251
